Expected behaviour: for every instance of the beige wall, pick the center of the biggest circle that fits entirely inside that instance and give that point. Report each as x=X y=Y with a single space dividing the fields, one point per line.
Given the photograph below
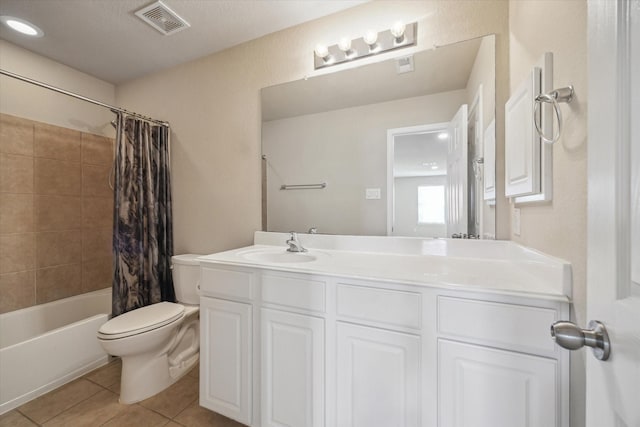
x=56 y=212
x=346 y=148
x=559 y=228
x=213 y=105
x=32 y=102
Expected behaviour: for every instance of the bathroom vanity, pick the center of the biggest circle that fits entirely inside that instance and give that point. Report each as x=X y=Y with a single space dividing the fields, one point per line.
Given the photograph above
x=379 y=331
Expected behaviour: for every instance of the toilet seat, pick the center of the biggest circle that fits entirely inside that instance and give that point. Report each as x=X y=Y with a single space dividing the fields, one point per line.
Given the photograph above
x=141 y=320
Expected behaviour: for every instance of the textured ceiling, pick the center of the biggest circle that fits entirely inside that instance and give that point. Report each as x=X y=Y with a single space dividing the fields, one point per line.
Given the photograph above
x=105 y=39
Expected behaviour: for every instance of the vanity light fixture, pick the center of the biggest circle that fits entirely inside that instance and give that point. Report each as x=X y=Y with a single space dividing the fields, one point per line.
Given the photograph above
x=372 y=43
x=22 y=26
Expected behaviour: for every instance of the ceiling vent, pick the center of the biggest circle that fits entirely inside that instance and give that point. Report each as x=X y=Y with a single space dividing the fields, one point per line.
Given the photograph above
x=163 y=19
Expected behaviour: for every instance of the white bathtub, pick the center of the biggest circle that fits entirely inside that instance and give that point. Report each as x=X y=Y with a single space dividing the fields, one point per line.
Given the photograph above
x=45 y=346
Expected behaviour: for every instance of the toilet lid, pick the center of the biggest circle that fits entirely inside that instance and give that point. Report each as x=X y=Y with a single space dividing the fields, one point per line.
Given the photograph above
x=141 y=320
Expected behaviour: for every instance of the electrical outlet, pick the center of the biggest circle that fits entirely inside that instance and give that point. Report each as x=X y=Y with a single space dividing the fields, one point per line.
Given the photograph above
x=515 y=224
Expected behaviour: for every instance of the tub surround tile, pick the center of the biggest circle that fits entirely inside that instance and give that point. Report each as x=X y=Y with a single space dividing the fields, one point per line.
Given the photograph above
x=95 y=181
x=96 y=243
x=54 y=142
x=58 y=177
x=15 y=419
x=58 y=247
x=97 y=150
x=174 y=399
x=16 y=213
x=97 y=274
x=16 y=135
x=59 y=400
x=17 y=252
x=137 y=416
x=57 y=213
x=16 y=173
x=94 y=411
x=97 y=212
x=18 y=290
x=58 y=282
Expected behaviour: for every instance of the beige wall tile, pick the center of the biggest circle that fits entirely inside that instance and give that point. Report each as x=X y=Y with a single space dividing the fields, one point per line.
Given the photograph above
x=58 y=177
x=58 y=282
x=16 y=173
x=16 y=135
x=96 y=243
x=17 y=252
x=56 y=213
x=16 y=213
x=96 y=274
x=97 y=212
x=17 y=290
x=95 y=181
x=54 y=142
x=58 y=247
x=97 y=150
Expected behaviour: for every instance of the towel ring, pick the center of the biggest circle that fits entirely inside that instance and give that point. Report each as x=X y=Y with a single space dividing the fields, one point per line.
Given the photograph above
x=564 y=94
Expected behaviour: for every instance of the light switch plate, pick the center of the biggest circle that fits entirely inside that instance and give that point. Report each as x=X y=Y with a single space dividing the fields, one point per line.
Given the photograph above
x=372 y=194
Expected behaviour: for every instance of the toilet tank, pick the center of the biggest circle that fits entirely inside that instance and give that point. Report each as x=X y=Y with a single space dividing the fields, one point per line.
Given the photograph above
x=186 y=278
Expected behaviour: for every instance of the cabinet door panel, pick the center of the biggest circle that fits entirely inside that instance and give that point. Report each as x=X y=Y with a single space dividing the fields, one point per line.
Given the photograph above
x=225 y=371
x=377 y=377
x=485 y=387
x=292 y=370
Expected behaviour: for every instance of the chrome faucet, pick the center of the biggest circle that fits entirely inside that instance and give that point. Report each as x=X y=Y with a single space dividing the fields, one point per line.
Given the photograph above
x=294 y=244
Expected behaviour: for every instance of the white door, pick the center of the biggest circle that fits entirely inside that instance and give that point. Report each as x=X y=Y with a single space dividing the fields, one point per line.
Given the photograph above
x=292 y=370
x=377 y=377
x=456 y=190
x=613 y=288
x=225 y=346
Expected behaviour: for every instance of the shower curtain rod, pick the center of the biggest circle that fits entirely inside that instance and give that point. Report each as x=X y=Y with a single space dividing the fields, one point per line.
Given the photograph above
x=83 y=98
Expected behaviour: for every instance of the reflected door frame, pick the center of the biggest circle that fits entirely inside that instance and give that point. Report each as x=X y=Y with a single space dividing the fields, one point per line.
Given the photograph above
x=392 y=134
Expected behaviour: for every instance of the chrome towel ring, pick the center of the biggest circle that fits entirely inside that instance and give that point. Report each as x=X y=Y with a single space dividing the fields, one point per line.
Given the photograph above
x=564 y=94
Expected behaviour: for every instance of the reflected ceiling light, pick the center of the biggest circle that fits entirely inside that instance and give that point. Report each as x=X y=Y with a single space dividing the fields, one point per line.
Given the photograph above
x=443 y=135
x=370 y=43
x=22 y=26
x=397 y=30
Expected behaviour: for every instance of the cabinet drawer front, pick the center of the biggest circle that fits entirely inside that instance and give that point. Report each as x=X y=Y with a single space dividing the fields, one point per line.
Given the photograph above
x=229 y=283
x=382 y=306
x=294 y=292
x=509 y=326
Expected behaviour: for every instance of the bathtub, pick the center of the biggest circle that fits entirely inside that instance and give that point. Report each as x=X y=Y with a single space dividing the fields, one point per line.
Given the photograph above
x=45 y=346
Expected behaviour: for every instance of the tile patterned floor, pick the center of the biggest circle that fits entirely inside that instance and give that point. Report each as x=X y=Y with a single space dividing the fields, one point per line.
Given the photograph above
x=92 y=400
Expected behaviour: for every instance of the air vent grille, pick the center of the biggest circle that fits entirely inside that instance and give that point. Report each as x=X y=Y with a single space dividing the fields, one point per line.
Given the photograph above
x=162 y=18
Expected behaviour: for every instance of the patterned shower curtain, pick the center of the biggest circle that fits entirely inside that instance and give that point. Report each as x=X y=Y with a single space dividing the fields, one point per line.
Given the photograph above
x=142 y=222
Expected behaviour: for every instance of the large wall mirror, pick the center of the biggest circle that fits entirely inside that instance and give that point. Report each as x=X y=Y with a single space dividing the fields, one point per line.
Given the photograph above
x=402 y=147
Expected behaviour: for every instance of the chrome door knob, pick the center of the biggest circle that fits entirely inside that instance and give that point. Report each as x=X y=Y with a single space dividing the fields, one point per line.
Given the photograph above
x=568 y=335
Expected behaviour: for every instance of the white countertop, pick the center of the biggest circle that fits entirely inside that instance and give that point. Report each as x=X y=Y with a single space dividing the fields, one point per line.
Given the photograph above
x=489 y=266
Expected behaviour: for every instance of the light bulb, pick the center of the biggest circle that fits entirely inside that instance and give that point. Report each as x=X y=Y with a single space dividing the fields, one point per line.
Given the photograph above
x=22 y=26
x=321 y=51
x=370 y=37
x=344 y=44
x=397 y=30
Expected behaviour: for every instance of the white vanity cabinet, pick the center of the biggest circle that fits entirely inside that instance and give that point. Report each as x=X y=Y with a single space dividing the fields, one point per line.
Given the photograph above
x=294 y=348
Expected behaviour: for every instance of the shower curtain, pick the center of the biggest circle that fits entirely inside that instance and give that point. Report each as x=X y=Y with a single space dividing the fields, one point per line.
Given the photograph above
x=142 y=222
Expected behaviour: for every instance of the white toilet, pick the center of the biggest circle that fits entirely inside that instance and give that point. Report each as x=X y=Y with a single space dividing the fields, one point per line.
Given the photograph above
x=159 y=343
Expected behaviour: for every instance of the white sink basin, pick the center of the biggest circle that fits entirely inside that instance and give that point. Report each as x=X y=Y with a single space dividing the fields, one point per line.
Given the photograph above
x=278 y=256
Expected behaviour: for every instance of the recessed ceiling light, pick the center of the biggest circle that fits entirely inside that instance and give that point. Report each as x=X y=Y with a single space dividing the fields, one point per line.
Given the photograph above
x=21 y=26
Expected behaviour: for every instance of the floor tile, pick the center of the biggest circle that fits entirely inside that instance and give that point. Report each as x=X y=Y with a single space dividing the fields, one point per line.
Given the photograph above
x=54 y=403
x=107 y=375
x=197 y=416
x=137 y=416
x=195 y=372
x=15 y=419
x=174 y=399
x=92 y=412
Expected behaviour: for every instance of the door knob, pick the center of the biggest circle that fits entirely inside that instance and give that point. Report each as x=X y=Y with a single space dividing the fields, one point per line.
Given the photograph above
x=568 y=335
